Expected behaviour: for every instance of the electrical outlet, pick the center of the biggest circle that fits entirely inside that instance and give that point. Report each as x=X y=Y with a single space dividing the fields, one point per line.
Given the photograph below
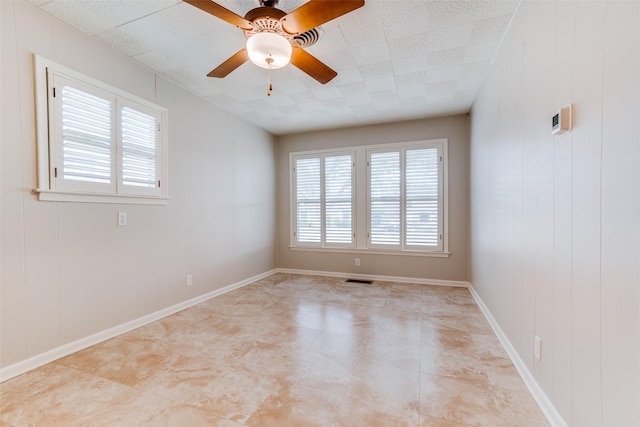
x=357 y=262
x=537 y=351
x=122 y=218
x=189 y=280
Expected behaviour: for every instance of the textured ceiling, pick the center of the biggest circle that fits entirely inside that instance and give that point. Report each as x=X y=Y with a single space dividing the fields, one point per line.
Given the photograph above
x=396 y=59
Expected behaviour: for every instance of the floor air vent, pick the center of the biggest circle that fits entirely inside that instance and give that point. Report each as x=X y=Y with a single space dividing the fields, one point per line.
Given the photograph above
x=364 y=282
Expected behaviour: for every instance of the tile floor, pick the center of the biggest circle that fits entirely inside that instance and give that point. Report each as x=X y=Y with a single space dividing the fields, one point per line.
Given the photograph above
x=289 y=351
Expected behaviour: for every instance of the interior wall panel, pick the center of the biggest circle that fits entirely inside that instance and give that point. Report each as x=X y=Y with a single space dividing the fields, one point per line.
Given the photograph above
x=74 y=276
x=12 y=250
x=542 y=25
x=41 y=270
x=102 y=264
x=562 y=215
x=577 y=209
x=620 y=221
x=586 y=200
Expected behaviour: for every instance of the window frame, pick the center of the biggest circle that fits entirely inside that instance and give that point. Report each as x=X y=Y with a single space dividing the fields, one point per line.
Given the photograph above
x=322 y=155
x=360 y=201
x=49 y=148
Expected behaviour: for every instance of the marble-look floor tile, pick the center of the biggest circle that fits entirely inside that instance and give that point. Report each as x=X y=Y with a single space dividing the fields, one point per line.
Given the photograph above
x=296 y=405
x=231 y=393
x=450 y=353
x=322 y=372
x=179 y=415
x=75 y=398
x=380 y=395
x=518 y=406
x=91 y=359
x=272 y=361
x=468 y=401
x=17 y=390
x=342 y=346
x=289 y=350
x=399 y=301
x=133 y=368
x=429 y=421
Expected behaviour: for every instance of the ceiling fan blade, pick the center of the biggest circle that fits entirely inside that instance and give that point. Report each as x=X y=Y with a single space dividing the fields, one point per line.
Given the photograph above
x=311 y=65
x=220 y=12
x=317 y=12
x=230 y=64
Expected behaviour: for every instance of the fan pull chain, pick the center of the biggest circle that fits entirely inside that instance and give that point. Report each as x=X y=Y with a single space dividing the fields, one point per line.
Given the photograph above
x=269 y=85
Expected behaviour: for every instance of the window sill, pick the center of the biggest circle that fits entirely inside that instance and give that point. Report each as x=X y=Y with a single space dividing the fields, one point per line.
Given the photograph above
x=59 y=196
x=372 y=252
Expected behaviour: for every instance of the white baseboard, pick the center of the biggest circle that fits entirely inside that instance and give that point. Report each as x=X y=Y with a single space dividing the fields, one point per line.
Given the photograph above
x=437 y=282
x=49 y=356
x=541 y=398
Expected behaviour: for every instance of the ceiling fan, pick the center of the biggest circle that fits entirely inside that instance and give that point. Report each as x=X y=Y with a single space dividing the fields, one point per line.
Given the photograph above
x=275 y=38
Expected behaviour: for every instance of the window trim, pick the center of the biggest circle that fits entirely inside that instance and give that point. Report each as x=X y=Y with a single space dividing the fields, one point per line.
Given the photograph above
x=361 y=199
x=46 y=187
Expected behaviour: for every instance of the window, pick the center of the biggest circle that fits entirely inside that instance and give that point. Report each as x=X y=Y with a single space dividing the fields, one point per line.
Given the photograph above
x=97 y=143
x=323 y=198
x=388 y=198
x=405 y=198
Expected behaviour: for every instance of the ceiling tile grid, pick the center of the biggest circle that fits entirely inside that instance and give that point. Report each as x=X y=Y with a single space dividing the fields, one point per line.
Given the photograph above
x=395 y=59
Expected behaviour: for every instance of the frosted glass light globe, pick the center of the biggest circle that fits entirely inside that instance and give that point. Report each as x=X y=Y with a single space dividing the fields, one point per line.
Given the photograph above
x=262 y=46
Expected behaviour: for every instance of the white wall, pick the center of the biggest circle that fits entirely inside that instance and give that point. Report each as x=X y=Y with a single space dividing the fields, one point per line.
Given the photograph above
x=555 y=240
x=67 y=270
x=453 y=268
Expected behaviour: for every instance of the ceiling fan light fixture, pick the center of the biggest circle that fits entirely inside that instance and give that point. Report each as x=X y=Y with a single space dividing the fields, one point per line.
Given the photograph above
x=269 y=50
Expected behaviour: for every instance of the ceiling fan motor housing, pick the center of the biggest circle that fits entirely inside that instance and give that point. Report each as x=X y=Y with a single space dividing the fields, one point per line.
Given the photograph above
x=268 y=19
x=308 y=38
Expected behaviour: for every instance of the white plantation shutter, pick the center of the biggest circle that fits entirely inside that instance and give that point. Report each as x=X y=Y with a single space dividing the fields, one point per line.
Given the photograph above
x=338 y=190
x=140 y=150
x=422 y=197
x=384 y=199
x=83 y=133
x=308 y=200
x=86 y=136
x=323 y=189
x=406 y=198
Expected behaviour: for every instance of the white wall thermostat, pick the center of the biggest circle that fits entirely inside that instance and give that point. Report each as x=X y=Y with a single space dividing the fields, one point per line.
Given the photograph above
x=562 y=121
